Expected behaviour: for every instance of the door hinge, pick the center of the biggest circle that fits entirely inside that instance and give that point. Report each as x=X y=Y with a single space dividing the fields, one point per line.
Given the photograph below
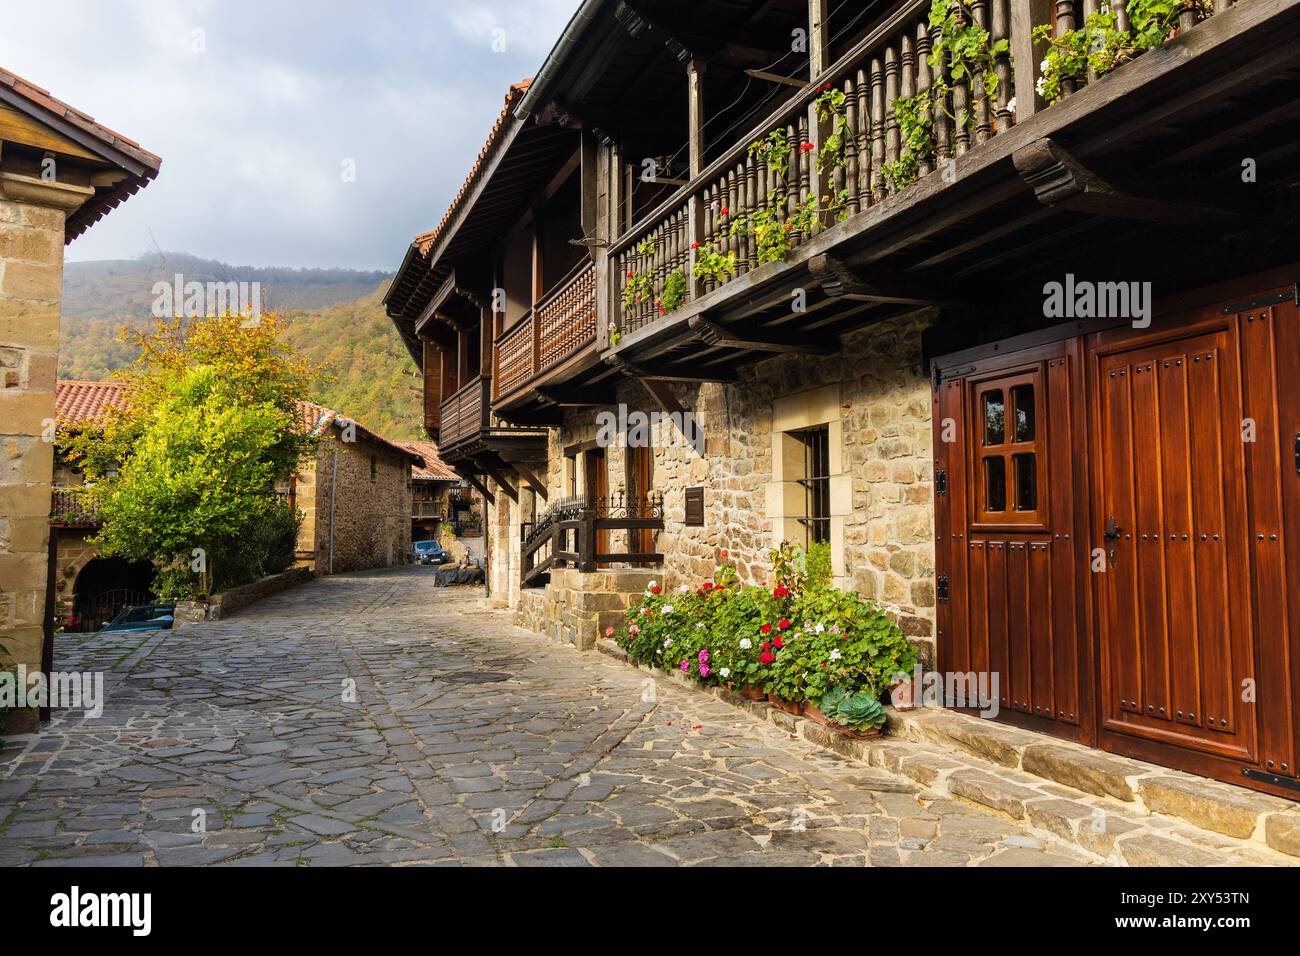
x=940 y=482
x=941 y=588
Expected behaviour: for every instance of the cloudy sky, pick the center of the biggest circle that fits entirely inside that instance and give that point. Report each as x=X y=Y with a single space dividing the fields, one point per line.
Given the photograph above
x=256 y=105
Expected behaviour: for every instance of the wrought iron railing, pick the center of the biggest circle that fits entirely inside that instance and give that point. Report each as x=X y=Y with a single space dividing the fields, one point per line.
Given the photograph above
x=70 y=506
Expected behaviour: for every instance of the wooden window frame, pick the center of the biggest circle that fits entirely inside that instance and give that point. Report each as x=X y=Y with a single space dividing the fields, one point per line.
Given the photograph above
x=1005 y=382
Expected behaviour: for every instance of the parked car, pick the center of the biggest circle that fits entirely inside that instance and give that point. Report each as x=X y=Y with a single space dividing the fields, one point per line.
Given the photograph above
x=143 y=617
x=429 y=552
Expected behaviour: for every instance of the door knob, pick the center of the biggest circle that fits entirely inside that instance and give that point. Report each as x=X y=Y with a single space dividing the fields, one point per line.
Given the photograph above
x=1111 y=534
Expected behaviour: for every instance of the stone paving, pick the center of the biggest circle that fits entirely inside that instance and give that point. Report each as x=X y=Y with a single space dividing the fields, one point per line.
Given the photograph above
x=374 y=719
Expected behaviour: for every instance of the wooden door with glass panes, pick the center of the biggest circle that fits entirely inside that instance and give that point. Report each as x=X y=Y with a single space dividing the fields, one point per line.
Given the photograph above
x=1008 y=562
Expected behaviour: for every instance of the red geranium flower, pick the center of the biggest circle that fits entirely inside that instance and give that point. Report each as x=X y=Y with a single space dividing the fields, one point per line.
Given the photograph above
x=777 y=642
x=725 y=210
x=765 y=647
x=765 y=629
x=765 y=658
x=630 y=273
x=780 y=591
x=655 y=589
x=784 y=623
x=708 y=585
x=806 y=146
x=695 y=245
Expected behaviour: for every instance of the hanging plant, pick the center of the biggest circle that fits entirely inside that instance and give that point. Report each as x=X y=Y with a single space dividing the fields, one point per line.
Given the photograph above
x=712 y=264
x=963 y=52
x=674 y=294
x=639 y=286
x=1101 y=46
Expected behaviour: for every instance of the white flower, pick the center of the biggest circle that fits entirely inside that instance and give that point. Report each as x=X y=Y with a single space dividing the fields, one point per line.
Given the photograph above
x=820 y=627
x=683 y=588
x=651 y=585
x=725 y=672
x=1044 y=66
x=1011 y=105
x=645 y=610
x=835 y=653
x=667 y=641
x=746 y=643
x=698 y=625
x=1041 y=86
x=668 y=609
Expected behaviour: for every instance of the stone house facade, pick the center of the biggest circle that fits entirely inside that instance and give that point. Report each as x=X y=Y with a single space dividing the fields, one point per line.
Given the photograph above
x=996 y=387
x=367 y=506
x=60 y=172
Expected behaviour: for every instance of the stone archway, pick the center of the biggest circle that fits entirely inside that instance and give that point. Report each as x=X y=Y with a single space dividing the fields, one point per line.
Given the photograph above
x=105 y=586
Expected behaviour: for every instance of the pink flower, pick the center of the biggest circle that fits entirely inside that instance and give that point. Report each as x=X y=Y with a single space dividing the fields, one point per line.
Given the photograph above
x=609 y=632
x=686 y=665
x=704 y=670
x=704 y=656
x=633 y=630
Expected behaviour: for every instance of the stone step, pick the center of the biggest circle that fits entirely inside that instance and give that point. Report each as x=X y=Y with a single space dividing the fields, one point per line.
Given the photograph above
x=1145 y=790
x=1105 y=805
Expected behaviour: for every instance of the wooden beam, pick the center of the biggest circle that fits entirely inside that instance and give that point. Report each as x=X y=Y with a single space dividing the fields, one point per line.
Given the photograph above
x=1025 y=15
x=695 y=115
x=777 y=78
x=583 y=397
x=1059 y=179
x=536 y=483
x=482 y=489
x=838 y=280
x=762 y=340
x=669 y=374
x=663 y=396
x=819 y=46
x=509 y=489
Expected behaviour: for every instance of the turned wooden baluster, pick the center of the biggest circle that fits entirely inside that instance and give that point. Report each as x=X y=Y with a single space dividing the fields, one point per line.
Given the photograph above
x=740 y=212
x=851 y=146
x=1089 y=7
x=1002 y=65
x=1120 y=9
x=892 y=134
x=877 y=131
x=752 y=199
x=1065 y=23
x=790 y=181
x=862 y=136
x=982 y=113
x=962 y=109
x=924 y=78
x=942 y=122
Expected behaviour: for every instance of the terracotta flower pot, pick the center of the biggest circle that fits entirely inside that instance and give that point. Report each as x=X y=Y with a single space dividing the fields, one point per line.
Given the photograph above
x=789 y=706
x=751 y=692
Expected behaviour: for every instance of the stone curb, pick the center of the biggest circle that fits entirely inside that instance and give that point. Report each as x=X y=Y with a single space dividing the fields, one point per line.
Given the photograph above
x=1104 y=825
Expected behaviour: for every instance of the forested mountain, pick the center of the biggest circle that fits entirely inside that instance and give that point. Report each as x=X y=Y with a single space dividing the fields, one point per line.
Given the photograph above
x=335 y=321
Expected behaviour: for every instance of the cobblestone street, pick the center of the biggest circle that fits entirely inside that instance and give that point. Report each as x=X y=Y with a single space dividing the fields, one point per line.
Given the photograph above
x=470 y=741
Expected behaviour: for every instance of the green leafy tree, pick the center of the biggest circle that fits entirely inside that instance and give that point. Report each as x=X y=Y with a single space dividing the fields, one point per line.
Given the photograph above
x=183 y=474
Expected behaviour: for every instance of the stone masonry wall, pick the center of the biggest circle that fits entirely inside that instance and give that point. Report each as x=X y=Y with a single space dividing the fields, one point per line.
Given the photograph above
x=31 y=276
x=875 y=397
x=372 y=519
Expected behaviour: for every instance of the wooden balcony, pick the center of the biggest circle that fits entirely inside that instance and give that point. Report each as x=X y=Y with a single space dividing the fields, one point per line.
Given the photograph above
x=556 y=335
x=464 y=415
x=1129 y=168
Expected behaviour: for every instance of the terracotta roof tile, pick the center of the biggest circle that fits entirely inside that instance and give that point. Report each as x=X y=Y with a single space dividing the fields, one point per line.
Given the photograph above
x=435 y=469
x=121 y=151
x=81 y=404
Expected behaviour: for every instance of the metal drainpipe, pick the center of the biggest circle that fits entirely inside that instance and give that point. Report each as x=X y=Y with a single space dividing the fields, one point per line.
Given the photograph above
x=334 y=483
x=577 y=25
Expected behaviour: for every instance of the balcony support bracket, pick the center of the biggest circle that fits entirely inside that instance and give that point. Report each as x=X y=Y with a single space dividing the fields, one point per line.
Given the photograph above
x=668 y=374
x=482 y=489
x=839 y=280
x=1059 y=179
x=760 y=340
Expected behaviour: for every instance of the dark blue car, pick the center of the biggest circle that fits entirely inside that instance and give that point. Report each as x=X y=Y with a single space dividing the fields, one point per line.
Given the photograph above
x=143 y=617
x=429 y=552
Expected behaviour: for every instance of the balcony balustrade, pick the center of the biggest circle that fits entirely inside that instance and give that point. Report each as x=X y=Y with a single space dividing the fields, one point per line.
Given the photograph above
x=558 y=327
